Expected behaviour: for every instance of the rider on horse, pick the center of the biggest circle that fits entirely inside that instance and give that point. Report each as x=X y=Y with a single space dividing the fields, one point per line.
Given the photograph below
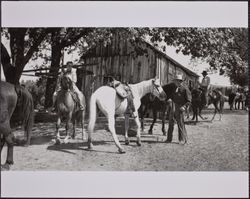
x=70 y=73
x=205 y=85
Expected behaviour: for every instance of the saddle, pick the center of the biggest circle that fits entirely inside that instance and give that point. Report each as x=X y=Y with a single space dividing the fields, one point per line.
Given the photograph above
x=122 y=90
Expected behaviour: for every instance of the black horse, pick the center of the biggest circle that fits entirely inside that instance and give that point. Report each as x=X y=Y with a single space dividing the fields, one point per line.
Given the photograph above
x=215 y=97
x=151 y=102
x=14 y=98
x=198 y=103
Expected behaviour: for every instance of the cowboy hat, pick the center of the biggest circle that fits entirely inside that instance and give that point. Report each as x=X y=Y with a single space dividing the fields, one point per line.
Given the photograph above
x=204 y=72
x=178 y=77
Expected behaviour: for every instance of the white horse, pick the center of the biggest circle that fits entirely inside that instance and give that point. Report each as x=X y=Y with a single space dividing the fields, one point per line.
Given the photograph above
x=110 y=104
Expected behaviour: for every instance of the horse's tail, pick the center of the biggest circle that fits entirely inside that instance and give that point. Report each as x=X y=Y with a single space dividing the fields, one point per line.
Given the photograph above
x=26 y=108
x=92 y=113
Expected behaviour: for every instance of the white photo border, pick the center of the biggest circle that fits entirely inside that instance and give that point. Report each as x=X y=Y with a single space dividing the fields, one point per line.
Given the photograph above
x=114 y=14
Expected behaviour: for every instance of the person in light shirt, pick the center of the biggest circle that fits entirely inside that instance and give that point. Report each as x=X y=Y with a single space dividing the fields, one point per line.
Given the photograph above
x=71 y=73
x=205 y=85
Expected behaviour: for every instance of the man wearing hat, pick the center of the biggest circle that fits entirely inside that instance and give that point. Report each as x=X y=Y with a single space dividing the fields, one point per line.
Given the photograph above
x=205 y=84
x=181 y=100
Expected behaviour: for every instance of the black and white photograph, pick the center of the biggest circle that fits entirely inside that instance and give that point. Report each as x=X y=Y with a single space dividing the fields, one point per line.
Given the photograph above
x=139 y=99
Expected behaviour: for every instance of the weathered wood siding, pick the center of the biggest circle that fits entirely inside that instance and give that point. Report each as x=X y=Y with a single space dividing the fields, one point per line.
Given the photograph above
x=118 y=60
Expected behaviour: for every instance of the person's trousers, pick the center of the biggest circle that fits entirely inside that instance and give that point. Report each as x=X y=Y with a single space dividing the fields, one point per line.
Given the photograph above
x=176 y=115
x=79 y=95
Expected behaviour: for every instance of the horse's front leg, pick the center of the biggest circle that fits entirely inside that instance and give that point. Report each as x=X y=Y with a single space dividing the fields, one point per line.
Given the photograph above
x=150 y=131
x=111 y=121
x=58 y=123
x=74 y=128
x=194 y=112
x=142 y=114
x=163 y=122
x=84 y=137
x=66 y=139
x=138 y=135
x=10 y=144
x=126 y=129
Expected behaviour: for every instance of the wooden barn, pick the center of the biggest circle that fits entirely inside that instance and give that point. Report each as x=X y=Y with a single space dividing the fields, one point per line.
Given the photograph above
x=120 y=61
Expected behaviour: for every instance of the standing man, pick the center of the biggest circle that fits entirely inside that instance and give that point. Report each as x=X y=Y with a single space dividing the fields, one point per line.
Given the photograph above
x=205 y=85
x=181 y=100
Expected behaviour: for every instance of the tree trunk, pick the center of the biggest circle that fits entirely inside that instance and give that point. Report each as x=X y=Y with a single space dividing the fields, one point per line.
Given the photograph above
x=17 y=50
x=56 y=55
x=8 y=69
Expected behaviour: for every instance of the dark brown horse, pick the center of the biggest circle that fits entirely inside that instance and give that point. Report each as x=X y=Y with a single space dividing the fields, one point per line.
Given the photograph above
x=68 y=109
x=156 y=105
x=14 y=98
x=215 y=97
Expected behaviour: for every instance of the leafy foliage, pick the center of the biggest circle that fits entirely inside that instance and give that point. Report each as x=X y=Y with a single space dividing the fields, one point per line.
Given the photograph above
x=225 y=49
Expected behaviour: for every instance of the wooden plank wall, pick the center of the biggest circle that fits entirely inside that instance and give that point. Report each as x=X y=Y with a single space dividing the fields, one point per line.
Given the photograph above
x=117 y=60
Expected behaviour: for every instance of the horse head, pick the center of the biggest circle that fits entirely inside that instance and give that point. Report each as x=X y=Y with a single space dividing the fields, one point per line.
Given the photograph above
x=157 y=89
x=66 y=83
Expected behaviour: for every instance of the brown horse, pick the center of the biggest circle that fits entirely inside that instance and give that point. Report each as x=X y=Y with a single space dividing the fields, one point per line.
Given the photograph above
x=14 y=98
x=215 y=97
x=68 y=109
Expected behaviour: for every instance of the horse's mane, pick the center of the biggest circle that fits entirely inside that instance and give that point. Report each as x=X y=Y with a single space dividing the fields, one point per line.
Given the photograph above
x=66 y=82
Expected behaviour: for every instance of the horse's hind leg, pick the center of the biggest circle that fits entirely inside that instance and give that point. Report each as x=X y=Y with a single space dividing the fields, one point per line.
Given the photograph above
x=10 y=145
x=215 y=110
x=111 y=124
x=2 y=142
x=126 y=129
x=143 y=110
x=150 y=131
x=84 y=137
x=138 y=131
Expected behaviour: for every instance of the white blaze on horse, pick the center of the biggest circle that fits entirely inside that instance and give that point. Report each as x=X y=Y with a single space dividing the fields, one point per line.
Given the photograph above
x=111 y=104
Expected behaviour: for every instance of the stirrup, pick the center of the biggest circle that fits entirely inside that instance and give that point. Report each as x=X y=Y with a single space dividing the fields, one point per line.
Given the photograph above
x=81 y=108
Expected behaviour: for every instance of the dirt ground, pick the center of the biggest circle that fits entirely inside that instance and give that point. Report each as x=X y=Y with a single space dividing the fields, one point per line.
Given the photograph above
x=212 y=146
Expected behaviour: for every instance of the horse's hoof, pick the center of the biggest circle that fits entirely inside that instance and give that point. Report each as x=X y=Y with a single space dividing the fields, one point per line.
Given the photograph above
x=57 y=141
x=127 y=142
x=9 y=162
x=150 y=132
x=164 y=132
x=90 y=146
x=5 y=167
x=121 y=151
x=138 y=143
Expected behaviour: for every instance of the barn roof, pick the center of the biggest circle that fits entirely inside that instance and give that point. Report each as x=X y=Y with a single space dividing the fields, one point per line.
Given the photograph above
x=188 y=71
